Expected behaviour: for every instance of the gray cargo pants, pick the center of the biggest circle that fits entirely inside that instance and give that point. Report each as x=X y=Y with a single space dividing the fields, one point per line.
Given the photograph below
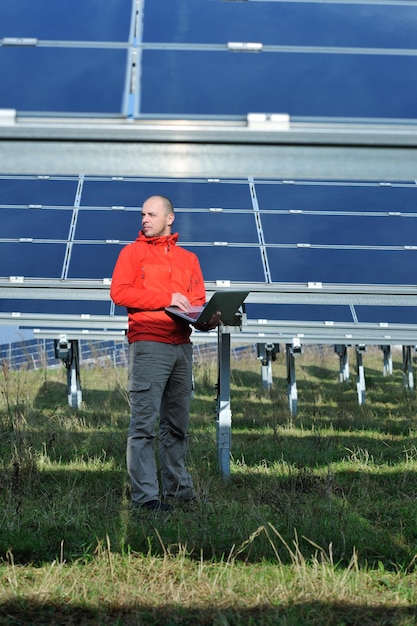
x=160 y=382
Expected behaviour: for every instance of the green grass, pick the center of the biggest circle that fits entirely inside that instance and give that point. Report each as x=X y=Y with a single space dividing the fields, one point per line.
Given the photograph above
x=316 y=525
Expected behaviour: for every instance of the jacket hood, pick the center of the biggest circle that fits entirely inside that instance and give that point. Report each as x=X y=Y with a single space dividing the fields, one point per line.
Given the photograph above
x=166 y=239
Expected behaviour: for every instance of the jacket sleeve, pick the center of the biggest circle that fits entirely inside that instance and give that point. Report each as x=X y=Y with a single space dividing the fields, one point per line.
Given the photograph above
x=126 y=290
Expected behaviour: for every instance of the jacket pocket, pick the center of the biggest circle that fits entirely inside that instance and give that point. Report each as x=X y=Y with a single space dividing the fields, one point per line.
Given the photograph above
x=156 y=277
x=184 y=279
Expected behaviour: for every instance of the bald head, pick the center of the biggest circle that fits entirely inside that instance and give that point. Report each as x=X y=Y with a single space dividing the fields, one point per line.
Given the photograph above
x=157 y=216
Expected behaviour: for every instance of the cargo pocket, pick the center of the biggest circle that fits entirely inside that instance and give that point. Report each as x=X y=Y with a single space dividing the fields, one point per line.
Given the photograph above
x=139 y=385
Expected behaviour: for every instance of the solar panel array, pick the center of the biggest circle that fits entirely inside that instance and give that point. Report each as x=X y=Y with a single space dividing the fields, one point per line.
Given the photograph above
x=181 y=58
x=40 y=353
x=323 y=252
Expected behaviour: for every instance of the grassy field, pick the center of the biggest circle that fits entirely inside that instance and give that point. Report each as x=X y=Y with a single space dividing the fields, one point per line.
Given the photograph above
x=317 y=524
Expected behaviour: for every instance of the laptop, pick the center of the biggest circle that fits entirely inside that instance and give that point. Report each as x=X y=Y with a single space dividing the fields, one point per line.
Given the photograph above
x=227 y=302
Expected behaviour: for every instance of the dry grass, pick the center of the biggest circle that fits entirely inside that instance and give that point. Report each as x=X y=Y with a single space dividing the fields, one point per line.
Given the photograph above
x=315 y=526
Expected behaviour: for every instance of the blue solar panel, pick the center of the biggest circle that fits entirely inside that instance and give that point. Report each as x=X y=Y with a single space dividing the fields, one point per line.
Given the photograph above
x=387 y=314
x=208 y=227
x=37 y=191
x=339 y=230
x=107 y=225
x=36 y=260
x=230 y=263
x=304 y=265
x=62 y=79
x=35 y=223
x=263 y=232
x=183 y=193
x=76 y=20
x=318 y=59
x=302 y=84
x=338 y=233
x=217 y=227
x=280 y=23
x=378 y=315
x=337 y=196
x=94 y=261
x=57 y=307
x=301 y=312
x=108 y=193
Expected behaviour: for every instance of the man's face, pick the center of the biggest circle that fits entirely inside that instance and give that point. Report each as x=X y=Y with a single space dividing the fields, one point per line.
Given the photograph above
x=156 y=222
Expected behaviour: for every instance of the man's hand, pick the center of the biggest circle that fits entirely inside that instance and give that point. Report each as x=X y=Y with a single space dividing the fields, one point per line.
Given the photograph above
x=182 y=302
x=214 y=321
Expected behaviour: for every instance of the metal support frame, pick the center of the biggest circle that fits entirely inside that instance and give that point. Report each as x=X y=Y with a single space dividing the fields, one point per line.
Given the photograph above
x=223 y=412
x=360 y=381
x=342 y=351
x=267 y=354
x=318 y=148
x=387 y=370
x=291 y=350
x=408 y=374
x=69 y=353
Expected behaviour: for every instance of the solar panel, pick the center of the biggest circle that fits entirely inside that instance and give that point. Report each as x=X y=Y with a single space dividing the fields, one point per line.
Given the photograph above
x=77 y=80
x=70 y=20
x=32 y=260
x=337 y=234
x=333 y=85
x=337 y=196
x=317 y=59
x=216 y=105
x=289 y=23
x=37 y=192
x=305 y=59
x=55 y=308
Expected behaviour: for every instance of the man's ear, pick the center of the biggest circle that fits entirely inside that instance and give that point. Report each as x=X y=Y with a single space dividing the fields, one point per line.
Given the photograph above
x=171 y=218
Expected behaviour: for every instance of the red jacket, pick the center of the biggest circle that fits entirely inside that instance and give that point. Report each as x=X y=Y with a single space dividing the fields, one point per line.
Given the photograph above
x=147 y=273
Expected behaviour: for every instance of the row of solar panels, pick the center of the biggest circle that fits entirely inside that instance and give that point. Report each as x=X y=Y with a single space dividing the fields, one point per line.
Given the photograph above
x=200 y=58
x=39 y=353
x=261 y=231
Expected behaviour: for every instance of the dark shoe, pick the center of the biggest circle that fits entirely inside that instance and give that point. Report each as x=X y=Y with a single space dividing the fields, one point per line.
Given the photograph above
x=154 y=505
x=187 y=497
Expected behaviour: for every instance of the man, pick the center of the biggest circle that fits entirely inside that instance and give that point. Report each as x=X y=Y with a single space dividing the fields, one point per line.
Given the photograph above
x=150 y=274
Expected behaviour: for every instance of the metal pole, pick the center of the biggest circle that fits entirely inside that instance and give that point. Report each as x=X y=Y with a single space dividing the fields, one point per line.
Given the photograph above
x=224 y=413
